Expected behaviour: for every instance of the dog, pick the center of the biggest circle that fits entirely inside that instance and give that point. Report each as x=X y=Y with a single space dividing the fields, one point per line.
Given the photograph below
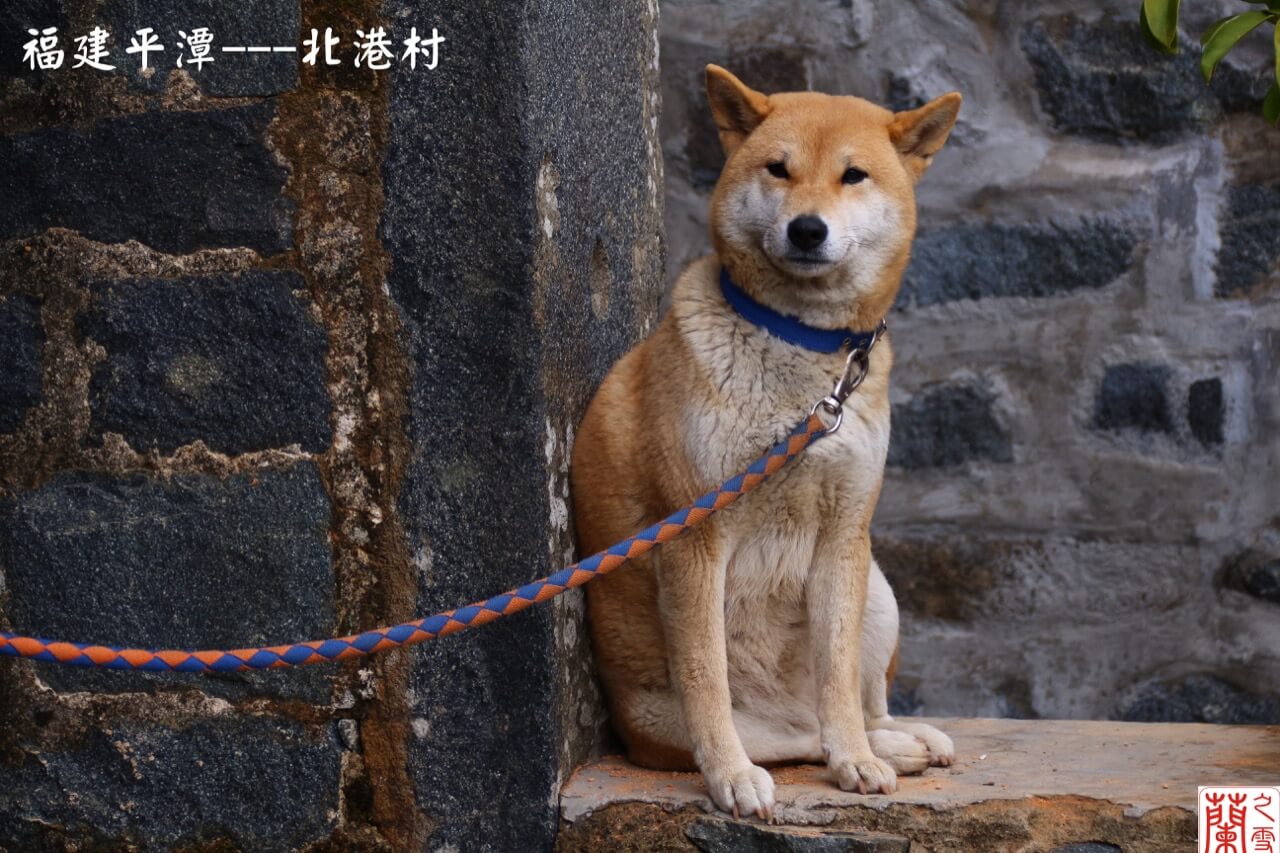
x=767 y=635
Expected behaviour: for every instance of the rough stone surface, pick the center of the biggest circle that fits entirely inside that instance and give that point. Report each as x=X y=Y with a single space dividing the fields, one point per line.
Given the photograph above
x=234 y=361
x=714 y=835
x=942 y=580
x=1134 y=396
x=1101 y=79
x=181 y=562
x=997 y=259
x=576 y=202
x=1200 y=699
x=946 y=426
x=268 y=23
x=1250 y=229
x=1087 y=847
x=1205 y=410
x=1262 y=580
x=249 y=783
x=175 y=181
x=16 y=18
x=20 y=339
x=1015 y=786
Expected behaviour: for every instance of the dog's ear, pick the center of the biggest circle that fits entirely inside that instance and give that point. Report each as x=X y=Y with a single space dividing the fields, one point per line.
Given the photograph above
x=920 y=133
x=737 y=109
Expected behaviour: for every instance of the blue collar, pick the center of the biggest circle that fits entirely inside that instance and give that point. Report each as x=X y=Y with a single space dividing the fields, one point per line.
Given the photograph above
x=790 y=329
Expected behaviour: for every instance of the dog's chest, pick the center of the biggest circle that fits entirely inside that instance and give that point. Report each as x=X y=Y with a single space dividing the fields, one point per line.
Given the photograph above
x=763 y=388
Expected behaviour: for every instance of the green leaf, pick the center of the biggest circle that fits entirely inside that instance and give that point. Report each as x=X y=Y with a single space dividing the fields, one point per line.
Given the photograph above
x=1271 y=105
x=1213 y=28
x=1159 y=20
x=1276 y=38
x=1224 y=35
x=1149 y=36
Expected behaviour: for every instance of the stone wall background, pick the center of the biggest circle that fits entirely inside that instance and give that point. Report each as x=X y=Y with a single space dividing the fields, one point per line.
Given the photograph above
x=1082 y=511
x=291 y=351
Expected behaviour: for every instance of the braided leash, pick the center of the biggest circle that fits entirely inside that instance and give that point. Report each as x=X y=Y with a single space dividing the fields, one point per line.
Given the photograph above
x=441 y=624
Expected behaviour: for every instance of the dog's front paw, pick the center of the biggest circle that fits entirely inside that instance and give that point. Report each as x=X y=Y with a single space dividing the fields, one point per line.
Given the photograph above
x=865 y=774
x=743 y=790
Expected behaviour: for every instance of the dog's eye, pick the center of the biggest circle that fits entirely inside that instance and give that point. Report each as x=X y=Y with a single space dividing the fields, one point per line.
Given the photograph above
x=778 y=170
x=853 y=176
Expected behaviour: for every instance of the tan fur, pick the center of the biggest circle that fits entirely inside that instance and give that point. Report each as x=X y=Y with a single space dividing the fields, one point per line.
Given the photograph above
x=767 y=634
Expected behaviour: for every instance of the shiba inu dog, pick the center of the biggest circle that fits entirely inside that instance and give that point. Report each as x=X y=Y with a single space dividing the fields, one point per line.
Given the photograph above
x=767 y=634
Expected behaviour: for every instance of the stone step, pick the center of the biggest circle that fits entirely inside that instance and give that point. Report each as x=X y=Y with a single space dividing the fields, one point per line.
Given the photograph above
x=1017 y=785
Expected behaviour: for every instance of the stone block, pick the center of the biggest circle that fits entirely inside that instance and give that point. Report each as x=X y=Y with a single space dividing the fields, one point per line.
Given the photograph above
x=945 y=578
x=1200 y=698
x=1134 y=396
x=1250 y=231
x=1101 y=79
x=236 y=361
x=21 y=337
x=176 y=181
x=232 y=782
x=1262 y=580
x=16 y=18
x=187 y=561
x=948 y=425
x=995 y=259
x=1205 y=410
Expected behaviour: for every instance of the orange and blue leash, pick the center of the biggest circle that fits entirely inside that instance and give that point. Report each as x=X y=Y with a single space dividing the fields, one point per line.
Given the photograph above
x=450 y=621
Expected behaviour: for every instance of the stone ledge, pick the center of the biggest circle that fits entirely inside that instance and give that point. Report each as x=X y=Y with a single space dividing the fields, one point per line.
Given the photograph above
x=1017 y=785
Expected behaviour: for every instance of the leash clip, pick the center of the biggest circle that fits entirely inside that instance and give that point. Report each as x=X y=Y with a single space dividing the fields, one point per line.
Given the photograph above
x=856 y=367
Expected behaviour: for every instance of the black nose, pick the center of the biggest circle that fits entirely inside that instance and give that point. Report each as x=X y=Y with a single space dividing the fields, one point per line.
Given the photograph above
x=807 y=232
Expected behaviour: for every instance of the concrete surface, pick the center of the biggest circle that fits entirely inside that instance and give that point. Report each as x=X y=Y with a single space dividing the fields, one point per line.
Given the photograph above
x=1065 y=781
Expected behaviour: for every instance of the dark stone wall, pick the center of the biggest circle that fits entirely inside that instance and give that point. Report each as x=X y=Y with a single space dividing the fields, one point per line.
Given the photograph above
x=291 y=351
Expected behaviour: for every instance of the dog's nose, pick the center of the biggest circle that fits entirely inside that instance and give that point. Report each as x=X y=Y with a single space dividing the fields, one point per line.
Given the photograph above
x=807 y=232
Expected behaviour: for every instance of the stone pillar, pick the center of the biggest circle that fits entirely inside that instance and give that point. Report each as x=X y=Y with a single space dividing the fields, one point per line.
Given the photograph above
x=533 y=155
x=294 y=350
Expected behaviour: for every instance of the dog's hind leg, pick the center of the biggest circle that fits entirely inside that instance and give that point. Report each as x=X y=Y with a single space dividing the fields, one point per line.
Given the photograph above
x=657 y=736
x=879 y=645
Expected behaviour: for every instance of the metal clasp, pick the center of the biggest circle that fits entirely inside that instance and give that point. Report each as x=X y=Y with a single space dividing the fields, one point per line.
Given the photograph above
x=856 y=367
